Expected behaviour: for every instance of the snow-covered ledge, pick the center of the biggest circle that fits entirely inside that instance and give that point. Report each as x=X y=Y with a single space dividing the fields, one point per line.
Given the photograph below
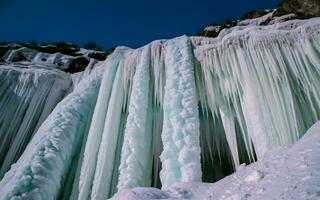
x=283 y=173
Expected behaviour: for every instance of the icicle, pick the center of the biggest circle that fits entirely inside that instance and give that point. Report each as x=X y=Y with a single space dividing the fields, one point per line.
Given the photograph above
x=158 y=68
x=229 y=127
x=181 y=149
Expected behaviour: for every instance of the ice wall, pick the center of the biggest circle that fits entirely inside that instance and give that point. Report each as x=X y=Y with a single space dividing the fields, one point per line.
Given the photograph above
x=42 y=169
x=28 y=95
x=186 y=109
x=266 y=78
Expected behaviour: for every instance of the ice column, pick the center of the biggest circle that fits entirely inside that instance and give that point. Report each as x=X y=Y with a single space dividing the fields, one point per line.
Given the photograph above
x=181 y=154
x=106 y=156
x=96 y=129
x=136 y=150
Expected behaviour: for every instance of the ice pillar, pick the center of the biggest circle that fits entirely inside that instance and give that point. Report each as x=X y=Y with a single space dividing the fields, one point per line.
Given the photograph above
x=181 y=147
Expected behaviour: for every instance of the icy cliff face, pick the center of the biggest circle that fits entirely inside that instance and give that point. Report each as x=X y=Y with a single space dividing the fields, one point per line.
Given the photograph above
x=181 y=110
x=28 y=95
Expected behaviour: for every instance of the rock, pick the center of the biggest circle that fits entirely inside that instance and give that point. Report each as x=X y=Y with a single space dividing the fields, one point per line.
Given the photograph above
x=303 y=8
x=77 y=65
x=98 y=55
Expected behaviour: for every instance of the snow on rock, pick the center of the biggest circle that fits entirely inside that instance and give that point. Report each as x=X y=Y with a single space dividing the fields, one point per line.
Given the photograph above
x=57 y=60
x=212 y=28
x=281 y=18
x=256 y=21
x=284 y=173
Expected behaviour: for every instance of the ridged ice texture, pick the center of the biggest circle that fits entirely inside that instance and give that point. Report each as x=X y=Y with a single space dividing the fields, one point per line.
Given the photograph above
x=95 y=133
x=136 y=149
x=112 y=136
x=27 y=96
x=180 y=136
x=267 y=78
x=41 y=170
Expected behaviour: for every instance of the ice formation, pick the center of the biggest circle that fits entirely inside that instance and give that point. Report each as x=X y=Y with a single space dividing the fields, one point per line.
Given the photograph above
x=188 y=109
x=284 y=173
x=180 y=136
x=30 y=94
x=135 y=162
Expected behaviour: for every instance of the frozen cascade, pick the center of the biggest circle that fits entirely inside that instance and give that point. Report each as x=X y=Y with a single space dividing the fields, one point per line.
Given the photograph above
x=186 y=109
x=268 y=81
x=96 y=128
x=181 y=149
x=107 y=149
x=41 y=170
x=28 y=95
x=136 y=150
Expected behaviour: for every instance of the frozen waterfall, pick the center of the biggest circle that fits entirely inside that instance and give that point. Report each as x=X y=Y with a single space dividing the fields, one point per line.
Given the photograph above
x=189 y=109
x=30 y=94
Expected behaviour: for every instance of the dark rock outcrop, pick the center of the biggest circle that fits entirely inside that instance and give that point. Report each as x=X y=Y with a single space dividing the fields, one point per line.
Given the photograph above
x=77 y=65
x=302 y=8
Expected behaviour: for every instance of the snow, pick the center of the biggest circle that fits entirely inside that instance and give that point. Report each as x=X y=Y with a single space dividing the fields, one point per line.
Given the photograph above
x=212 y=28
x=284 y=173
x=282 y=18
x=56 y=60
x=256 y=21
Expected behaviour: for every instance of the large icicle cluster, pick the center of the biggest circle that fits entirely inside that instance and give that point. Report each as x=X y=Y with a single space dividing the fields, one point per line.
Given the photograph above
x=27 y=96
x=43 y=167
x=185 y=110
x=268 y=82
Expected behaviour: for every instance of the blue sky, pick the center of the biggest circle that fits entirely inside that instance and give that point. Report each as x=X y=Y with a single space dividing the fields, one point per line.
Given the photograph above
x=112 y=23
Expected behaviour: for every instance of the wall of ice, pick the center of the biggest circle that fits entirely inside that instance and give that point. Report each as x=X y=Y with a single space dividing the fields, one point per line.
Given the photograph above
x=180 y=110
x=28 y=95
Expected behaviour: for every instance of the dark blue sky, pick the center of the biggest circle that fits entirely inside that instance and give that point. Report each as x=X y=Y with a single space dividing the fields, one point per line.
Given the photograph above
x=111 y=23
